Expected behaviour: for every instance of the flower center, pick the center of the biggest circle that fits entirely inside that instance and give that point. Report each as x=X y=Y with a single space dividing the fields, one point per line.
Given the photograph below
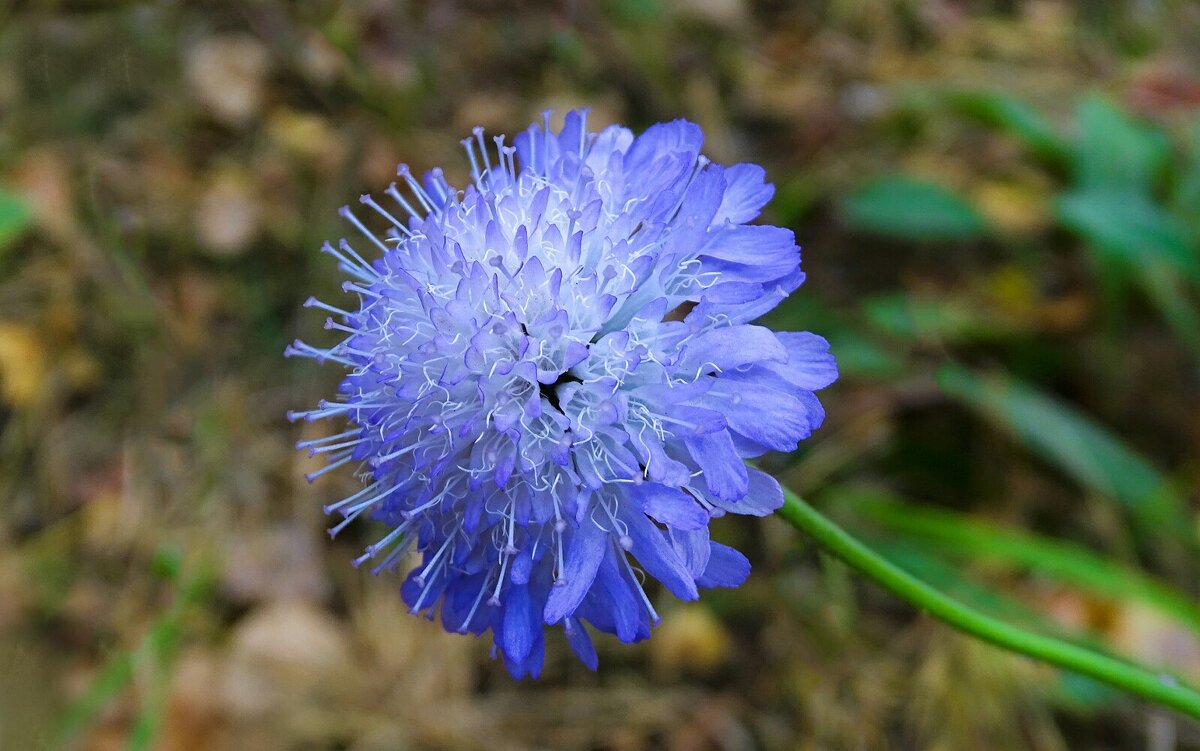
x=550 y=390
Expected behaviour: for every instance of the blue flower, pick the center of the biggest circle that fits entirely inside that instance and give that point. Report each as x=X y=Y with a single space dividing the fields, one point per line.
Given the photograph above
x=553 y=380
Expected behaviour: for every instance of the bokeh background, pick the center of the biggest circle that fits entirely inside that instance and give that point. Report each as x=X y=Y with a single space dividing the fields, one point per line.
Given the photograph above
x=999 y=204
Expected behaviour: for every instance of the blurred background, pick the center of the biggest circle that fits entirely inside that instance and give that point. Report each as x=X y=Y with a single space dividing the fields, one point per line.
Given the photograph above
x=999 y=204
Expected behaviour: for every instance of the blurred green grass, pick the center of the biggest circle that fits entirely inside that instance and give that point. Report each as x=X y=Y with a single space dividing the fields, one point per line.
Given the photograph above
x=999 y=205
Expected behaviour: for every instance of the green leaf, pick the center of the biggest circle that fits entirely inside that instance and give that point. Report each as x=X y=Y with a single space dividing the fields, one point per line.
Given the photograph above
x=794 y=199
x=925 y=318
x=915 y=557
x=1069 y=688
x=1085 y=451
x=1064 y=562
x=1177 y=308
x=1152 y=683
x=1115 y=151
x=1136 y=239
x=1081 y=692
x=15 y=217
x=911 y=209
x=1129 y=227
x=636 y=12
x=151 y=659
x=116 y=675
x=1015 y=117
x=859 y=357
x=1186 y=198
x=167 y=562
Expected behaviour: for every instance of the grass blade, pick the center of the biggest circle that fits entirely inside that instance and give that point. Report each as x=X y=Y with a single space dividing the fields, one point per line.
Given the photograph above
x=1082 y=449
x=1064 y=562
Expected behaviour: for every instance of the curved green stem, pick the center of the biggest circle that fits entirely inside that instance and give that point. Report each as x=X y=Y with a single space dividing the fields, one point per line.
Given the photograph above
x=1160 y=688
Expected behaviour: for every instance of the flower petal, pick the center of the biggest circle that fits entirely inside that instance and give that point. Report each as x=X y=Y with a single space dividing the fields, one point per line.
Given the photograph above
x=745 y=193
x=519 y=625
x=718 y=459
x=810 y=365
x=612 y=606
x=754 y=245
x=669 y=506
x=657 y=556
x=726 y=567
x=773 y=418
x=677 y=136
x=582 y=560
x=693 y=548
x=581 y=643
x=730 y=347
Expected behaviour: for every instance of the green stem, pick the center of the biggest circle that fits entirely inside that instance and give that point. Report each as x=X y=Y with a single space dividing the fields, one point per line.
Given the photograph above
x=1157 y=687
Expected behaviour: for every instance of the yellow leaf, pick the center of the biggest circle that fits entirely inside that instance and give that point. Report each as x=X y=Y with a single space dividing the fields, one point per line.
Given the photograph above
x=1012 y=207
x=690 y=638
x=22 y=364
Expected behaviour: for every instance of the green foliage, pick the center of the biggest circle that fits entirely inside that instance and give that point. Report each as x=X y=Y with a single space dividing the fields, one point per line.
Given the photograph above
x=636 y=12
x=155 y=655
x=114 y=678
x=15 y=217
x=1136 y=239
x=1147 y=683
x=913 y=553
x=1185 y=199
x=979 y=539
x=1113 y=151
x=860 y=356
x=1134 y=203
x=911 y=209
x=905 y=316
x=1129 y=228
x=1014 y=116
x=1084 y=450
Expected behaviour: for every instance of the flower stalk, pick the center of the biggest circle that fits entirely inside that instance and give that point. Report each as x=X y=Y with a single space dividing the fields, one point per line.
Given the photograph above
x=1153 y=686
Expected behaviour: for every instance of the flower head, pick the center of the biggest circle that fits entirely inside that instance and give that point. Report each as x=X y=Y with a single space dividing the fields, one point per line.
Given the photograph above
x=553 y=380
